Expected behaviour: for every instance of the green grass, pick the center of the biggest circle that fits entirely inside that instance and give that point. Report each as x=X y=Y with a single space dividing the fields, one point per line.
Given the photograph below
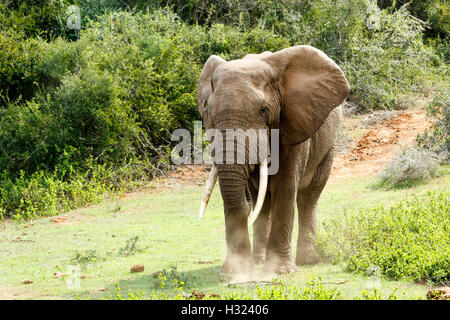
x=169 y=235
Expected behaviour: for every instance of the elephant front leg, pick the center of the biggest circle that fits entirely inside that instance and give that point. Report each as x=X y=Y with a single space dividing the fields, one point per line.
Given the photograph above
x=279 y=257
x=238 y=259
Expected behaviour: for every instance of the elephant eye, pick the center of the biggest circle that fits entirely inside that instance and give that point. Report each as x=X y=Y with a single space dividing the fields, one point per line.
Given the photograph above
x=262 y=111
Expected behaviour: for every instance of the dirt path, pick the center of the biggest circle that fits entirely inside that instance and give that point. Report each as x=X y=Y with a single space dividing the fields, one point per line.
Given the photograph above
x=380 y=144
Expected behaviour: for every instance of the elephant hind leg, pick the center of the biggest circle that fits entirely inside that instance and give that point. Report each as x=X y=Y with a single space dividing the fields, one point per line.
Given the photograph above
x=307 y=199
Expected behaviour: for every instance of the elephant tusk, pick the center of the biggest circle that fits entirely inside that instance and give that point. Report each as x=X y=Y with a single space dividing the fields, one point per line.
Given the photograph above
x=208 y=190
x=263 y=179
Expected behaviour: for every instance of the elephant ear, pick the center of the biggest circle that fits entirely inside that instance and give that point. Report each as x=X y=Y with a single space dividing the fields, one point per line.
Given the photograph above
x=205 y=87
x=311 y=85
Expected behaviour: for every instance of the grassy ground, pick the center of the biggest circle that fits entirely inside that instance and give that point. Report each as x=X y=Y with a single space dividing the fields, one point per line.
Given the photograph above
x=169 y=236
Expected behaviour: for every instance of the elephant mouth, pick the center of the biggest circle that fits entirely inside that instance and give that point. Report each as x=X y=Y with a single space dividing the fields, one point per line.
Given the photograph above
x=262 y=190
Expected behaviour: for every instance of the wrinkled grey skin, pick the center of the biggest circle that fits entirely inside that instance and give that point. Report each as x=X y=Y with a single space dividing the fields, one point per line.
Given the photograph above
x=301 y=90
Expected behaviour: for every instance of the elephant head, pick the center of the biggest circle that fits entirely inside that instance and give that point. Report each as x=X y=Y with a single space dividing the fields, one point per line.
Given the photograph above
x=292 y=90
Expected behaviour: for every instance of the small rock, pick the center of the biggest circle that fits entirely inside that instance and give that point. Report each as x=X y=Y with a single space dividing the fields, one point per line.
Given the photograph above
x=102 y=289
x=59 y=275
x=137 y=268
x=58 y=220
x=195 y=295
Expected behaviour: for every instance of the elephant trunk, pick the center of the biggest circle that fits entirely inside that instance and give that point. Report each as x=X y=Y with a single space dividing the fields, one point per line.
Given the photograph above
x=233 y=185
x=234 y=178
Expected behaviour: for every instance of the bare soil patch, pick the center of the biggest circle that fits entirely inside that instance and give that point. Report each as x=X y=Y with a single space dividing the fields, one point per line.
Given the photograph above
x=380 y=144
x=187 y=175
x=60 y=220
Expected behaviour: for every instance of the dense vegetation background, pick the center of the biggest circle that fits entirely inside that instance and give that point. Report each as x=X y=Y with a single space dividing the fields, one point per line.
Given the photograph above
x=90 y=111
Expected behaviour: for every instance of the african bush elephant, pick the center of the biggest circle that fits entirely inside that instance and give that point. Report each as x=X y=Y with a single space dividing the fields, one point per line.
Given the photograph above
x=299 y=91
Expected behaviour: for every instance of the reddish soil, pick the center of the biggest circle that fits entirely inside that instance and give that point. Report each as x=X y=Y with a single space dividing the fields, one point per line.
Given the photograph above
x=380 y=144
x=187 y=175
x=60 y=220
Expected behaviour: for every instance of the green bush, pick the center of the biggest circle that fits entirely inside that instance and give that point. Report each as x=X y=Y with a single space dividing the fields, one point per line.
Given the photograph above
x=47 y=194
x=31 y=18
x=408 y=241
x=19 y=76
x=48 y=19
x=434 y=12
x=314 y=290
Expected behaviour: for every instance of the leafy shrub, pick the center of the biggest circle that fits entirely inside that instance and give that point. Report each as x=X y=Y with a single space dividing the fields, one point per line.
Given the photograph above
x=435 y=12
x=85 y=257
x=19 y=76
x=48 y=19
x=384 y=65
x=408 y=241
x=172 y=278
x=246 y=13
x=47 y=194
x=130 y=247
x=29 y=18
x=314 y=290
x=410 y=166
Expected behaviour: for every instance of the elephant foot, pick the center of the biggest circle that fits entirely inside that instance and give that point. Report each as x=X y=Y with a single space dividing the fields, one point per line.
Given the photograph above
x=305 y=257
x=259 y=256
x=279 y=265
x=257 y=260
